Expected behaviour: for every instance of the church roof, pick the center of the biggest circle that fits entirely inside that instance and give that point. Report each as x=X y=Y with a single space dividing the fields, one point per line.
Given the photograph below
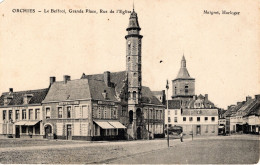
x=183 y=72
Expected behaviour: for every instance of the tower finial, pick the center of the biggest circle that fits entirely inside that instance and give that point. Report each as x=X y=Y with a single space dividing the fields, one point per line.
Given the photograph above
x=133 y=5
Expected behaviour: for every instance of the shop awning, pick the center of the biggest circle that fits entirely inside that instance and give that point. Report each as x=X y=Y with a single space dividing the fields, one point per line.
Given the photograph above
x=28 y=123
x=117 y=124
x=104 y=124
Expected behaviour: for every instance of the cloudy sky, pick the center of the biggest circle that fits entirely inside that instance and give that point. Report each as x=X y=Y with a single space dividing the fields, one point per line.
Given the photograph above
x=222 y=51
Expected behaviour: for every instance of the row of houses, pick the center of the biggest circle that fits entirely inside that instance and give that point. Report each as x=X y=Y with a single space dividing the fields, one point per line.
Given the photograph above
x=244 y=117
x=101 y=106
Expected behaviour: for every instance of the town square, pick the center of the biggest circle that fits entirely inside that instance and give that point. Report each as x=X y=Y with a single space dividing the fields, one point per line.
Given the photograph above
x=113 y=88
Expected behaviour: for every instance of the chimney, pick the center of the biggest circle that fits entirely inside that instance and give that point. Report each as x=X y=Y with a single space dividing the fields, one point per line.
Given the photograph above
x=257 y=97
x=238 y=103
x=11 y=90
x=104 y=94
x=107 y=78
x=66 y=78
x=206 y=97
x=52 y=80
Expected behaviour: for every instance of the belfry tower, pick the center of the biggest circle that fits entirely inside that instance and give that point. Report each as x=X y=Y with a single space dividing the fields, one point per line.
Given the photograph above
x=183 y=86
x=134 y=71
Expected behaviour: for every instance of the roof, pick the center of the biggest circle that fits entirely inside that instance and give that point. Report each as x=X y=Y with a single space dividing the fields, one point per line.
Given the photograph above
x=200 y=112
x=80 y=89
x=183 y=72
x=245 y=108
x=174 y=104
x=157 y=92
x=148 y=97
x=254 y=109
x=233 y=110
x=118 y=80
x=71 y=90
x=17 y=97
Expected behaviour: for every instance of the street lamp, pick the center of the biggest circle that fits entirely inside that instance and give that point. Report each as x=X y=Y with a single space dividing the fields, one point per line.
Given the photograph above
x=167 y=87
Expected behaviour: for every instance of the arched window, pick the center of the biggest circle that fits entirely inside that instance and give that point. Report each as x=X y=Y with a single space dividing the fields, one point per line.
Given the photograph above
x=175 y=90
x=186 y=89
x=134 y=95
x=131 y=116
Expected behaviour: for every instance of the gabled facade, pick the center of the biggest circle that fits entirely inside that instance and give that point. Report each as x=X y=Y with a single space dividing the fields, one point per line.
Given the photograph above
x=21 y=113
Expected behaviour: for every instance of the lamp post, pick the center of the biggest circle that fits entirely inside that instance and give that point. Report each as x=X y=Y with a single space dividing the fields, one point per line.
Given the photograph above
x=167 y=87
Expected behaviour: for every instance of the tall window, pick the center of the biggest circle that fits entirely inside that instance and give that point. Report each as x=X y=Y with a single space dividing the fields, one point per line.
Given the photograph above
x=207 y=129
x=175 y=120
x=4 y=114
x=68 y=112
x=176 y=112
x=48 y=113
x=30 y=114
x=206 y=118
x=37 y=113
x=198 y=119
x=23 y=114
x=212 y=118
x=10 y=115
x=59 y=112
x=160 y=114
x=169 y=119
x=190 y=118
x=184 y=118
x=175 y=90
x=17 y=116
x=105 y=113
x=134 y=95
x=169 y=112
x=186 y=89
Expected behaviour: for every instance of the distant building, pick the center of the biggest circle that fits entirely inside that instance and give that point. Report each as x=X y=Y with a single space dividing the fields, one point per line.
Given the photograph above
x=193 y=121
x=21 y=113
x=183 y=89
x=237 y=116
x=183 y=86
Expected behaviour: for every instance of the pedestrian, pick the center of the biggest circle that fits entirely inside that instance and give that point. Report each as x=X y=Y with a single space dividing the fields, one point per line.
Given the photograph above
x=181 y=136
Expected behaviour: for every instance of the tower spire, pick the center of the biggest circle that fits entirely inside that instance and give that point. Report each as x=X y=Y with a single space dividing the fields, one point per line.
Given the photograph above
x=133 y=5
x=183 y=62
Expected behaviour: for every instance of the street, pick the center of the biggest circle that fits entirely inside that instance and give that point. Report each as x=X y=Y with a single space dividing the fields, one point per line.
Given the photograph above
x=238 y=149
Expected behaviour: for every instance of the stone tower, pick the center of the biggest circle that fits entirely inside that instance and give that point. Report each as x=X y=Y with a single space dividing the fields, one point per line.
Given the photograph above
x=134 y=72
x=183 y=86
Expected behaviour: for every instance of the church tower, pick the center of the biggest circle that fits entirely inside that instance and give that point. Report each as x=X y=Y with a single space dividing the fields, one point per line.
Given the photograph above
x=134 y=69
x=183 y=86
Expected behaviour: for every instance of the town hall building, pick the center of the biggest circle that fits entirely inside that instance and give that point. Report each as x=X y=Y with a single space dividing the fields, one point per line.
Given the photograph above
x=110 y=105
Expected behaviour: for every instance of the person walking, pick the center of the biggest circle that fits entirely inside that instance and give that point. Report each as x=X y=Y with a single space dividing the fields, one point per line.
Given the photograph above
x=181 y=136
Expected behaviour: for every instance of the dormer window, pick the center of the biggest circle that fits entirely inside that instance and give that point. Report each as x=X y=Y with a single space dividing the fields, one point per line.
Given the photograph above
x=7 y=100
x=27 y=98
x=104 y=94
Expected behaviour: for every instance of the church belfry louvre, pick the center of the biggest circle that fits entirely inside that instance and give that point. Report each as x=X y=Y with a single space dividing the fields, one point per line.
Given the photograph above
x=110 y=105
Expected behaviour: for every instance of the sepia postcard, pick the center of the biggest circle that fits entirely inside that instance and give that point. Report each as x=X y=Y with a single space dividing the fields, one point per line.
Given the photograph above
x=129 y=82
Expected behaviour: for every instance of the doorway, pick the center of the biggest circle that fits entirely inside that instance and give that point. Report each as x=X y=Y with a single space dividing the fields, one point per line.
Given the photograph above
x=17 y=131
x=139 y=133
x=198 y=130
x=69 y=134
x=48 y=131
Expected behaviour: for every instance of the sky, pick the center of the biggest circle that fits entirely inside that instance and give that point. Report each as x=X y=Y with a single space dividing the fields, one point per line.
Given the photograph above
x=222 y=51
